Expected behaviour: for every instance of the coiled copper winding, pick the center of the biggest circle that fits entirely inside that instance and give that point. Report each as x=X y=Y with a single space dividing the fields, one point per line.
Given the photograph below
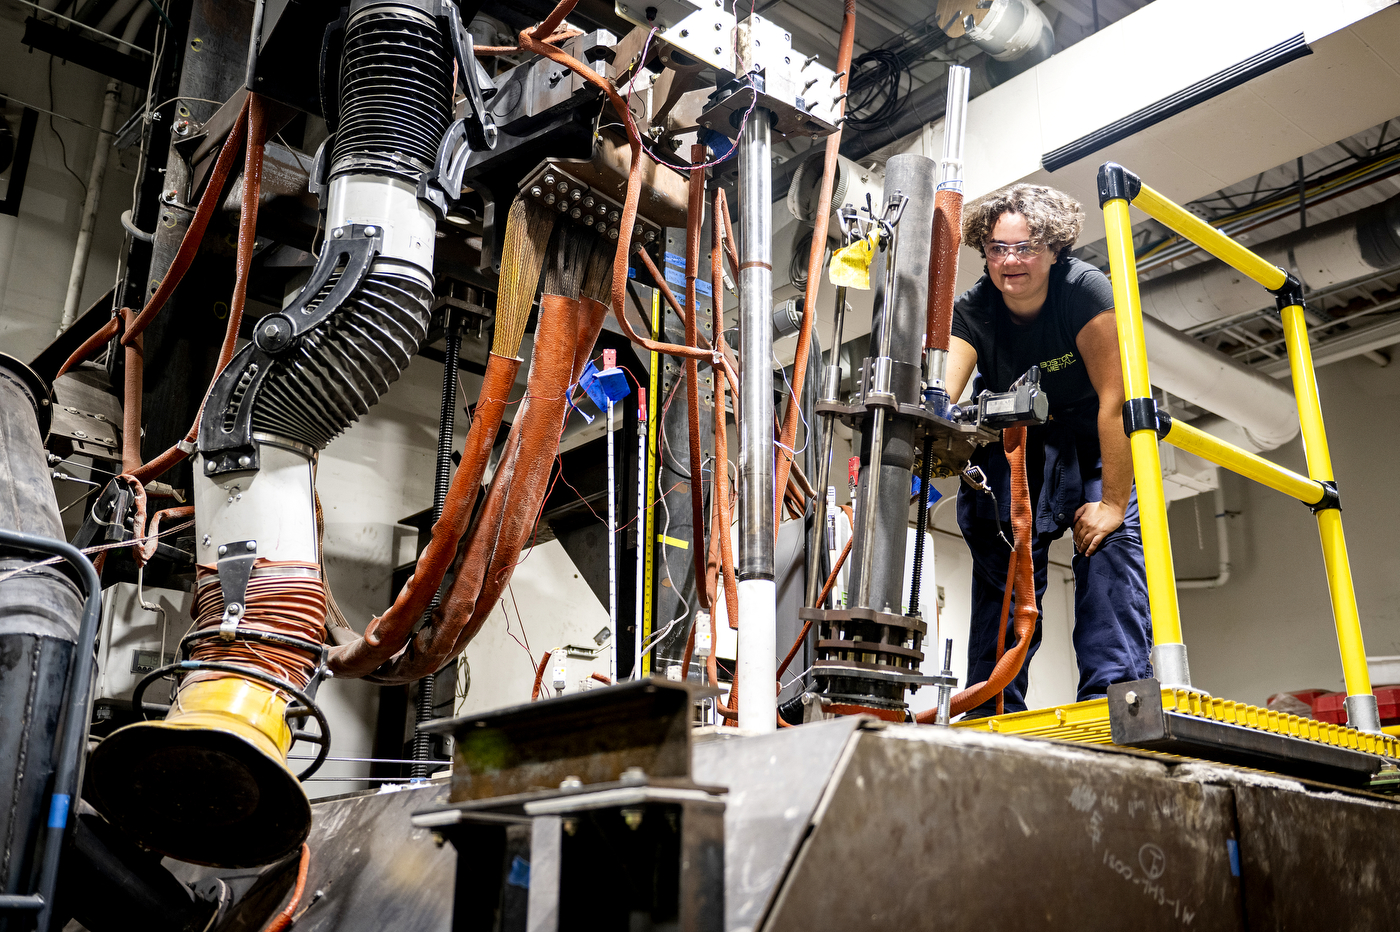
x=276 y=603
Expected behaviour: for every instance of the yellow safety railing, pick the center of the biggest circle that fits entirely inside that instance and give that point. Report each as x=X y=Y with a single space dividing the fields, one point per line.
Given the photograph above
x=1145 y=425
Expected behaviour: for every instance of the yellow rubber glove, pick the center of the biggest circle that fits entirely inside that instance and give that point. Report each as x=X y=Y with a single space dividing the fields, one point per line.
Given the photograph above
x=850 y=266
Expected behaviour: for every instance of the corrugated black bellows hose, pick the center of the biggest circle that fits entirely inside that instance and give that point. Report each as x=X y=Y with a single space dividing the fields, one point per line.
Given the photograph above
x=396 y=105
x=422 y=743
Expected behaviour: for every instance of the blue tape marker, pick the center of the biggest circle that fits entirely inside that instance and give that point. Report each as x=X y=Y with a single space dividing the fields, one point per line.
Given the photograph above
x=670 y=258
x=58 y=810
x=1234 y=848
x=519 y=873
x=933 y=493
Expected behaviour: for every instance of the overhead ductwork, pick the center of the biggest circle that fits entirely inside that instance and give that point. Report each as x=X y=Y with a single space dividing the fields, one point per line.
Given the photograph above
x=1339 y=250
x=1014 y=33
x=1258 y=412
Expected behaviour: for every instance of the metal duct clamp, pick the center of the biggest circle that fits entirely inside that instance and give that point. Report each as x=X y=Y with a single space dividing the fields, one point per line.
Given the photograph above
x=226 y=430
x=441 y=186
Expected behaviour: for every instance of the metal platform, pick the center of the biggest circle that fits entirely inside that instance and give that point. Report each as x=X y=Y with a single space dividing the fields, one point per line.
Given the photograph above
x=1191 y=724
x=854 y=824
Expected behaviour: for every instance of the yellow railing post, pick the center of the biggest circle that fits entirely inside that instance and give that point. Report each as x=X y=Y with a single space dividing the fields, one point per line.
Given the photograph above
x=1168 y=652
x=1118 y=187
x=1362 y=712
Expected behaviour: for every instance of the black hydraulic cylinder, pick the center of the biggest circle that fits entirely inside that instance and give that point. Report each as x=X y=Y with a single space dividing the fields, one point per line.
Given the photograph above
x=905 y=315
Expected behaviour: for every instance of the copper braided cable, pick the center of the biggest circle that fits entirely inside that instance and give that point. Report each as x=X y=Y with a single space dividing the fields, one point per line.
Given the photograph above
x=792 y=416
x=291 y=605
x=255 y=114
x=284 y=919
x=539 y=675
x=486 y=51
x=720 y=477
x=388 y=633
x=695 y=217
x=1019 y=568
x=133 y=383
x=148 y=549
x=184 y=256
x=943 y=269
x=564 y=337
x=528 y=226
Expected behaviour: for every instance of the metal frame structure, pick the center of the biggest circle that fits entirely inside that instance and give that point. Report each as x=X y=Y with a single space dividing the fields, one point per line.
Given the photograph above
x=1145 y=425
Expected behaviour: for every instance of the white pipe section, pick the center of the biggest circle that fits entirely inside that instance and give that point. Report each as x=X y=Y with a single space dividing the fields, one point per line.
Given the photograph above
x=1263 y=408
x=274 y=505
x=1010 y=29
x=83 y=249
x=758 y=656
x=1222 y=540
x=117 y=13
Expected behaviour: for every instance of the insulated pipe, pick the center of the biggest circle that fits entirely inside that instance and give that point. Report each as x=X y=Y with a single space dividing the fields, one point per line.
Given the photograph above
x=947 y=235
x=1339 y=250
x=1222 y=546
x=78 y=272
x=757 y=592
x=1263 y=407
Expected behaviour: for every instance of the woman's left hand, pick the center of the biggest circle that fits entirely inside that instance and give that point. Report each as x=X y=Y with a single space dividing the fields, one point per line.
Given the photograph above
x=1092 y=523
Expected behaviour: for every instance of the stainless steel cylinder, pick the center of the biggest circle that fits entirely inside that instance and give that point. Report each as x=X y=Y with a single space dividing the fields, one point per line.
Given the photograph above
x=756 y=466
x=757 y=662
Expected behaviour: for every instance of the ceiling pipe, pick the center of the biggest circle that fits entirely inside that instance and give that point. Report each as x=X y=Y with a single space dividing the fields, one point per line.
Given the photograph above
x=1341 y=249
x=1222 y=542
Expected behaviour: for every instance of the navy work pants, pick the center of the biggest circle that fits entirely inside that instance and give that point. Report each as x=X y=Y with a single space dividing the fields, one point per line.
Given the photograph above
x=1112 y=625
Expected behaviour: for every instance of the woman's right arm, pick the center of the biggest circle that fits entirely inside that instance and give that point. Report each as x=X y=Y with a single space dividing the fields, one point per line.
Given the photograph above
x=962 y=359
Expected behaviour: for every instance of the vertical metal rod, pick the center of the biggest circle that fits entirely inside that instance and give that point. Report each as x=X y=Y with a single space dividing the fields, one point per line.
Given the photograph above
x=925 y=478
x=612 y=550
x=758 y=661
x=831 y=385
x=254 y=45
x=871 y=502
x=442 y=479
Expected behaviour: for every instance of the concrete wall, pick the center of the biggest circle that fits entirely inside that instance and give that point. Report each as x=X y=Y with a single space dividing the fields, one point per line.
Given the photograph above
x=36 y=248
x=1270 y=628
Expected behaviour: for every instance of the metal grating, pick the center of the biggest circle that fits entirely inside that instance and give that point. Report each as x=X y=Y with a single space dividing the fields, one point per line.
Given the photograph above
x=1087 y=722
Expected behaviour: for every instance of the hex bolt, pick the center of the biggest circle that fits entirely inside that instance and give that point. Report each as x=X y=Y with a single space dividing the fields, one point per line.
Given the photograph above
x=1132 y=699
x=234 y=608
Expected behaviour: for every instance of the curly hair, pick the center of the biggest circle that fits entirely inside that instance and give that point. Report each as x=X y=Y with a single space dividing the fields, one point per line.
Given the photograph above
x=1054 y=217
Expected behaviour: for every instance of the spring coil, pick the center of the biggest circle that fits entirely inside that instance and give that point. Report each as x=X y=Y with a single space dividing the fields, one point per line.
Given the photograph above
x=293 y=605
x=396 y=94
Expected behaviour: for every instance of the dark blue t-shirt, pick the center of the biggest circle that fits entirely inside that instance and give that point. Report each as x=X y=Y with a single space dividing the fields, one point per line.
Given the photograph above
x=1006 y=349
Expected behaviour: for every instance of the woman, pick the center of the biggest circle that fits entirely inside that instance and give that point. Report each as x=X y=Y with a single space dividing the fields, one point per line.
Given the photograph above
x=1038 y=306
